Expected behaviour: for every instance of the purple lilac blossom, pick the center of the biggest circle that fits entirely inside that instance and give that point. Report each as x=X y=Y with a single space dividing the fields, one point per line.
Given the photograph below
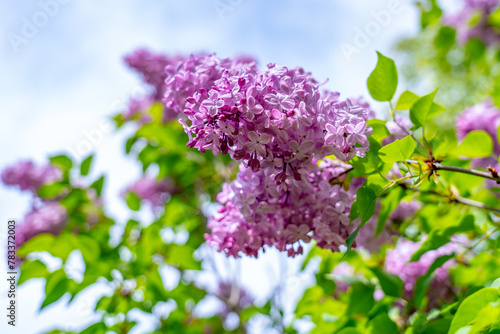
x=49 y=218
x=28 y=176
x=151 y=67
x=472 y=21
x=405 y=210
x=340 y=273
x=152 y=191
x=397 y=262
x=258 y=212
x=274 y=119
x=399 y=128
x=366 y=238
x=139 y=107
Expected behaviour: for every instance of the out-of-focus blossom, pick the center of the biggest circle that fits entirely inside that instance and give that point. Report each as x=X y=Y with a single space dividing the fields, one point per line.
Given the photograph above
x=405 y=209
x=49 y=218
x=152 y=191
x=28 y=176
x=397 y=262
x=472 y=21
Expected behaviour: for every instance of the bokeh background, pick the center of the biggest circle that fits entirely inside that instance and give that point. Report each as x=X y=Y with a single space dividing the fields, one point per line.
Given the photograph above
x=63 y=77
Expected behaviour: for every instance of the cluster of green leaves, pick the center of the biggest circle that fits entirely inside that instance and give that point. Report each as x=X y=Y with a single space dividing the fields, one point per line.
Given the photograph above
x=441 y=217
x=465 y=73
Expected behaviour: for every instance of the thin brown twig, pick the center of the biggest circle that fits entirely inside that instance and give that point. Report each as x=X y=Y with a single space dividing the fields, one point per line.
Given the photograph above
x=439 y=166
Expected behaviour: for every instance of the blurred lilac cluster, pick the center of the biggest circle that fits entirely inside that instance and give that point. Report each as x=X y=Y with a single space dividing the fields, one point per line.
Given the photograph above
x=152 y=191
x=473 y=21
x=45 y=216
x=28 y=176
x=151 y=66
x=366 y=237
x=397 y=262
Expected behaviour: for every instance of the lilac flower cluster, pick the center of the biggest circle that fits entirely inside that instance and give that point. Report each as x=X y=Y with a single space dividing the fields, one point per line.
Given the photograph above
x=276 y=120
x=472 y=21
x=28 y=176
x=366 y=238
x=49 y=218
x=191 y=79
x=151 y=66
x=45 y=216
x=152 y=191
x=397 y=262
x=398 y=128
x=257 y=211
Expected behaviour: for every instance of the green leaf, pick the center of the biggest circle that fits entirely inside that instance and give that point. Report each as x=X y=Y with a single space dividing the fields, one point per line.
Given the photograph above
x=382 y=321
x=348 y=330
x=477 y=144
x=62 y=162
x=97 y=185
x=365 y=203
x=350 y=240
x=130 y=142
x=399 y=150
x=406 y=100
x=383 y=81
x=156 y=112
x=55 y=288
x=32 y=269
x=182 y=256
x=40 y=243
x=430 y=16
x=424 y=109
x=89 y=247
x=485 y=318
x=441 y=234
x=379 y=130
x=389 y=203
x=471 y=307
x=445 y=39
x=423 y=282
x=133 y=201
x=85 y=165
x=391 y=284
x=361 y=299
x=51 y=190
x=498 y=135
x=371 y=162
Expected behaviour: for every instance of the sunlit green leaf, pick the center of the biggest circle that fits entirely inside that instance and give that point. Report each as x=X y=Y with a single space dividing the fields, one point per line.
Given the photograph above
x=383 y=81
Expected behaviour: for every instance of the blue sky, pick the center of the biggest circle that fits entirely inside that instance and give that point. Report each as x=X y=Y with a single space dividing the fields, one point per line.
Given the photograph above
x=68 y=77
